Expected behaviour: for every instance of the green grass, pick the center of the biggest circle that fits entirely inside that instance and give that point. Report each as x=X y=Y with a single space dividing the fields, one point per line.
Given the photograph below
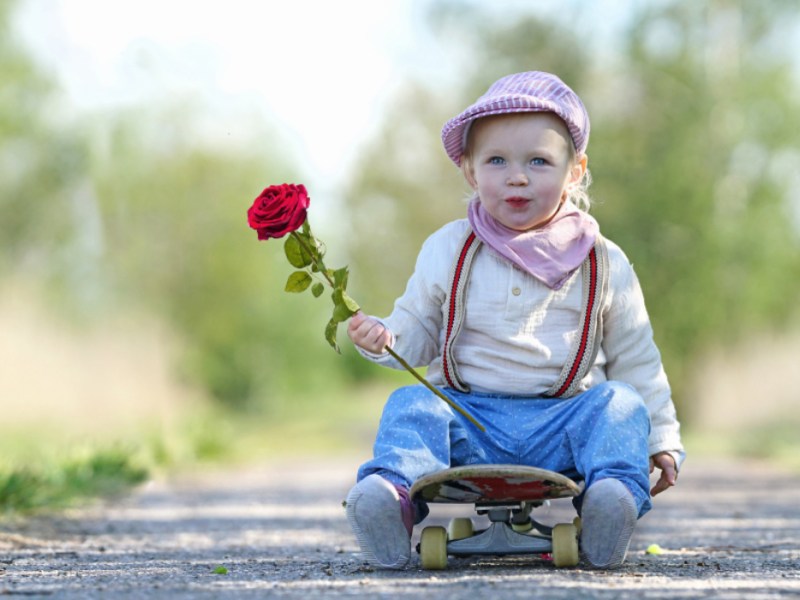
x=64 y=482
x=46 y=469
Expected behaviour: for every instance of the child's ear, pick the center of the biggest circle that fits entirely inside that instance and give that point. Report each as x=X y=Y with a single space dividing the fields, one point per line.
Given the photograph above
x=578 y=169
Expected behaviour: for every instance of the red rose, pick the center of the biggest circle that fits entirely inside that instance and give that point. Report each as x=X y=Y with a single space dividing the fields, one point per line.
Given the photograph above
x=278 y=210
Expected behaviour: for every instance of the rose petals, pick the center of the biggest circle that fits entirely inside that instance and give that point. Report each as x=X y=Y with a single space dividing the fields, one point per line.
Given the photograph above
x=278 y=210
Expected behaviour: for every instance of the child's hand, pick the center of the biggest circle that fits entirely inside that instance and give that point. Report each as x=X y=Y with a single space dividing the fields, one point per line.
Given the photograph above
x=368 y=333
x=669 y=472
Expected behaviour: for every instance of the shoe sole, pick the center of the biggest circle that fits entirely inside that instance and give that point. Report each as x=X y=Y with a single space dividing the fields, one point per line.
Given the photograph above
x=364 y=538
x=620 y=550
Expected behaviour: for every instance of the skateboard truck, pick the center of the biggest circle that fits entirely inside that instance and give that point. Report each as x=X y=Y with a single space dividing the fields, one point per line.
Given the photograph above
x=501 y=537
x=506 y=494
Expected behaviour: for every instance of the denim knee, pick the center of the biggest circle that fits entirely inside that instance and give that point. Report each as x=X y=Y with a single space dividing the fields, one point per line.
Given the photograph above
x=414 y=437
x=621 y=403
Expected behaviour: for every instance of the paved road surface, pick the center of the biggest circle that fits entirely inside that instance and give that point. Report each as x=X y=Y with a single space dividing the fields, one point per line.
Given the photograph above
x=728 y=531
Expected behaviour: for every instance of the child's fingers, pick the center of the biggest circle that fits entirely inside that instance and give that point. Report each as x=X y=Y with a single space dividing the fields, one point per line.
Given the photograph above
x=662 y=484
x=371 y=331
x=668 y=470
x=367 y=332
x=666 y=481
x=669 y=474
x=659 y=487
x=379 y=337
x=360 y=325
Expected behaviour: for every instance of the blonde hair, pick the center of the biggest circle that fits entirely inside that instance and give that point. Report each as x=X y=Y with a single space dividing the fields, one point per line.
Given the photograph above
x=577 y=191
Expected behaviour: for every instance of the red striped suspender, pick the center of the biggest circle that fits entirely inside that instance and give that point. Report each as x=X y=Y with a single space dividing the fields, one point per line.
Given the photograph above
x=587 y=326
x=584 y=350
x=455 y=312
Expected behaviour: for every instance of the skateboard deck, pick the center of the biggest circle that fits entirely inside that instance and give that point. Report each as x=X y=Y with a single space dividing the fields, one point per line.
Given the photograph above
x=493 y=484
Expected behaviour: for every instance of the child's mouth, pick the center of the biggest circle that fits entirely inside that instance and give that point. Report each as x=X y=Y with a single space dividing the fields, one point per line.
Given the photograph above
x=517 y=201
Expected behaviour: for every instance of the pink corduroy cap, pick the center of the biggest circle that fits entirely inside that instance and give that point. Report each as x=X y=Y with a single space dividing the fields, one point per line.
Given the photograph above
x=532 y=91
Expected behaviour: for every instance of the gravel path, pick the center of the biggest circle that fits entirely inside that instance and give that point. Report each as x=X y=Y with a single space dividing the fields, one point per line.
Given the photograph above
x=729 y=530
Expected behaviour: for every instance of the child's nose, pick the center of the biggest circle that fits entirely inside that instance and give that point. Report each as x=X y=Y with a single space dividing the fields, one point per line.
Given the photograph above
x=517 y=178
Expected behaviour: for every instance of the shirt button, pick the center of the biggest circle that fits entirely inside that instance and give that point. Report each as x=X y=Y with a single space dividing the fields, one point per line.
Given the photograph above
x=516 y=291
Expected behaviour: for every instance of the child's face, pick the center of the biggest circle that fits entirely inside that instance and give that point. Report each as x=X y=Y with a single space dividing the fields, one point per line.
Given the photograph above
x=520 y=165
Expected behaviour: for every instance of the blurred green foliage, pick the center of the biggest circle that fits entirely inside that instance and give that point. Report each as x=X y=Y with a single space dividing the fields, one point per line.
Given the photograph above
x=131 y=211
x=694 y=113
x=174 y=215
x=692 y=173
x=37 y=158
x=694 y=109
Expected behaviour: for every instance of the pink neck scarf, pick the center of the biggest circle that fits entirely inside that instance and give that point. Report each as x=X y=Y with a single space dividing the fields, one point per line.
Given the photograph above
x=551 y=254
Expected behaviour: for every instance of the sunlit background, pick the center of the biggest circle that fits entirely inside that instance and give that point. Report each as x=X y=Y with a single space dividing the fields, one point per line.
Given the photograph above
x=138 y=312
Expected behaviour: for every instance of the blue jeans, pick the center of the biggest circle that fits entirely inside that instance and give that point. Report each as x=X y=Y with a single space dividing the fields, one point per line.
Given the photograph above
x=601 y=433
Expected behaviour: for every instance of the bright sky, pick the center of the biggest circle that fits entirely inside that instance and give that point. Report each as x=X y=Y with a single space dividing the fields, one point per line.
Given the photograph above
x=318 y=70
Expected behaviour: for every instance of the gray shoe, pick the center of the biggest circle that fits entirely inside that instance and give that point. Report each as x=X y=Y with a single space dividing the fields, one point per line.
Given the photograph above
x=608 y=518
x=375 y=515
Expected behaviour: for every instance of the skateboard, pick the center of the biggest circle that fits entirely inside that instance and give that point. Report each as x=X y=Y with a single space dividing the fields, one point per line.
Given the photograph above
x=506 y=494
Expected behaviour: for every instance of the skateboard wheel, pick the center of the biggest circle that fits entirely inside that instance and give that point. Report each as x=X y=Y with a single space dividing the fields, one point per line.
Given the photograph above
x=565 y=545
x=459 y=529
x=578 y=524
x=433 y=548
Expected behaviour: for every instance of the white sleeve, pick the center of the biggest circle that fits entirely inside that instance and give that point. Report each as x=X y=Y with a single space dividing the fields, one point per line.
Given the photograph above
x=632 y=356
x=416 y=320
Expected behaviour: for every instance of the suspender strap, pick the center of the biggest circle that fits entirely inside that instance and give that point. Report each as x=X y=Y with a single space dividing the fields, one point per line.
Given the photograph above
x=584 y=349
x=454 y=313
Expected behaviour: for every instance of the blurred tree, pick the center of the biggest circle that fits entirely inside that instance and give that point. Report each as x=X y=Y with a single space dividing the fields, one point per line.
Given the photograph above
x=693 y=140
x=41 y=162
x=692 y=113
x=130 y=211
x=174 y=212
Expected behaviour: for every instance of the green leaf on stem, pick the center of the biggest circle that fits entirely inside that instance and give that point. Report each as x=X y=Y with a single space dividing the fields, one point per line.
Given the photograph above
x=330 y=334
x=317 y=289
x=344 y=306
x=298 y=282
x=297 y=255
x=340 y=277
x=351 y=304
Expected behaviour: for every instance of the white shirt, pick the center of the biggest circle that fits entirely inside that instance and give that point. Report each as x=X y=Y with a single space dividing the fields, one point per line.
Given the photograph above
x=517 y=332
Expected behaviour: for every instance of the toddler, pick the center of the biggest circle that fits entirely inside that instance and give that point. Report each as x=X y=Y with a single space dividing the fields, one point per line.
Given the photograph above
x=531 y=321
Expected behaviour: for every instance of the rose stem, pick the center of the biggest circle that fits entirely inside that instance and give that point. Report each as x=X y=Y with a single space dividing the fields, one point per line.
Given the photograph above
x=428 y=385
x=315 y=258
x=397 y=357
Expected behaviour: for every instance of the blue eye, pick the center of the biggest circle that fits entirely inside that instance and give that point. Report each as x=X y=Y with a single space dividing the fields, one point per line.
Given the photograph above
x=496 y=160
x=538 y=161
